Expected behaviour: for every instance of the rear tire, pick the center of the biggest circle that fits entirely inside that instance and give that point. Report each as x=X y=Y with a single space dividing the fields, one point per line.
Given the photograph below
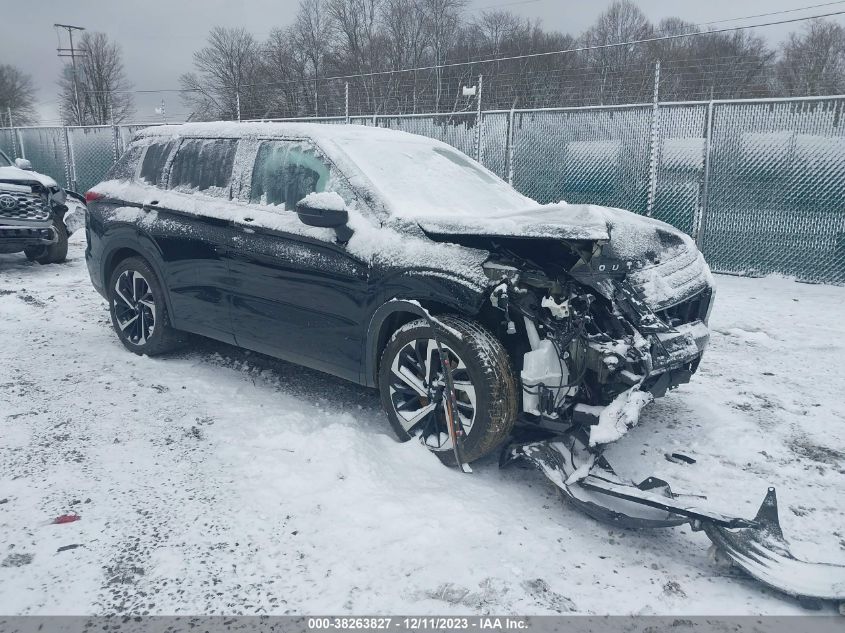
x=484 y=383
x=138 y=310
x=55 y=253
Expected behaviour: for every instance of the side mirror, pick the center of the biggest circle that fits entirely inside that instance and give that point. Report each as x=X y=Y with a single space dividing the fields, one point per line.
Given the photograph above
x=325 y=210
x=22 y=163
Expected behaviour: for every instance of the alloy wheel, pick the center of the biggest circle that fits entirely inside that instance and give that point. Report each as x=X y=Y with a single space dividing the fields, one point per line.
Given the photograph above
x=417 y=384
x=134 y=307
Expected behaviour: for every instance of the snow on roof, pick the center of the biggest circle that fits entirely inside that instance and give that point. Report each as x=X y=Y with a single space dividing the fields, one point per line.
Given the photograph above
x=413 y=176
x=287 y=129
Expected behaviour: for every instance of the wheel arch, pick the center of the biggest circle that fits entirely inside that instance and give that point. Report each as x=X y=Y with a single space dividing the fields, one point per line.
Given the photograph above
x=388 y=318
x=122 y=249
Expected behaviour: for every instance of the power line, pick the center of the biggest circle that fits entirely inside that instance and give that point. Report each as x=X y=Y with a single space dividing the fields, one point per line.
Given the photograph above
x=763 y=15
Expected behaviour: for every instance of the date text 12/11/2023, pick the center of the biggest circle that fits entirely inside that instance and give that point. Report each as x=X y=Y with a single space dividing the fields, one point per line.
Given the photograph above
x=416 y=623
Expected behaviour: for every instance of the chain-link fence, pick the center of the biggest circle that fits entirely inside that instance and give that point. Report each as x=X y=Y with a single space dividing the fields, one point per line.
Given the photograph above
x=759 y=183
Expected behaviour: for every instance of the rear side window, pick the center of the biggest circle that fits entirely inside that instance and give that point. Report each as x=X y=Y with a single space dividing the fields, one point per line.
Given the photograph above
x=152 y=167
x=285 y=172
x=204 y=165
x=126 y=165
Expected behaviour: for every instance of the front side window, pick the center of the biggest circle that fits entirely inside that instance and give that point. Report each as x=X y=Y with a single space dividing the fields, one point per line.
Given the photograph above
x=204 y=165
x=152 y=167
x=285 y=172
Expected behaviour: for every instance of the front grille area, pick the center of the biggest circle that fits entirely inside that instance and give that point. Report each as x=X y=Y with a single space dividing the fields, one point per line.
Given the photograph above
x=693 y=309
x=22 y=233
x=27 y=206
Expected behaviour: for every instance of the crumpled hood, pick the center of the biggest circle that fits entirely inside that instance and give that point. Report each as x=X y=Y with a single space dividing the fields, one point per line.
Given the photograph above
x=665 y=264
x=23 y=175
x=630 y=235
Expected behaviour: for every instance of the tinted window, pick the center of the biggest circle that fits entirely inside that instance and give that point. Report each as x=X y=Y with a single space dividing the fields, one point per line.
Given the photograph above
x=126 y=165
x=152 y=168
x=203 y=164
x=286 y=172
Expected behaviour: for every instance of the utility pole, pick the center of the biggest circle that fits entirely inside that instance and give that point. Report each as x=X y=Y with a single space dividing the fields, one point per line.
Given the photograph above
x=71 y=52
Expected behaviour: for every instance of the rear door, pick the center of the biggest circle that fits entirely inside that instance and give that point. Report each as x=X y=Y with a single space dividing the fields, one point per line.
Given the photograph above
x=187 y=222
x=297 y=294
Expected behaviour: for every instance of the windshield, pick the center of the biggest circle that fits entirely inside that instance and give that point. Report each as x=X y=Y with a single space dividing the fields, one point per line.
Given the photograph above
x=4 y=160
x=418 y=179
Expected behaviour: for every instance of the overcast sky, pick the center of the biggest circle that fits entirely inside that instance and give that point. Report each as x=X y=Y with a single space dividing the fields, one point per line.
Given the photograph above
x=159 y=36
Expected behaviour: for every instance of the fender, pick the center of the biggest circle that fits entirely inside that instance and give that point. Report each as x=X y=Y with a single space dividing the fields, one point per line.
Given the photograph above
x=129 y=236
x=442 y=295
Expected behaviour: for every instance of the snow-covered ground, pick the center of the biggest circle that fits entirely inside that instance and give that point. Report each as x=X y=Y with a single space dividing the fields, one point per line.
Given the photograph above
x=217 y=481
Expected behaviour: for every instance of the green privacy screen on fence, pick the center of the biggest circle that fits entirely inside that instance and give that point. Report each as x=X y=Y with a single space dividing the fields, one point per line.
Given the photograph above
x=759 y=183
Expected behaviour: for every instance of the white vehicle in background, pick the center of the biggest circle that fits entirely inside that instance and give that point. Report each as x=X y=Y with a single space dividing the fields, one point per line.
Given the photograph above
x=36 y=214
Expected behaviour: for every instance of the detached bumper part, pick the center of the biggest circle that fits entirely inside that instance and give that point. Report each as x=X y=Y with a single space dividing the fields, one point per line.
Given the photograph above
x=589 y=483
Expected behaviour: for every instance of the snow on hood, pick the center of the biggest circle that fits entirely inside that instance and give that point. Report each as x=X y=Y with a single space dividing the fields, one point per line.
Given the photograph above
x=631 y=234
x=13 y=173
x=669 y=267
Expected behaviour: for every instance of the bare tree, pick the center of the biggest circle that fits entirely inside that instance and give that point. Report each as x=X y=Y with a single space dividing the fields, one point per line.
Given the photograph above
x=619 y=72
x=310 y=34
x=104 y=92
x=284 y=68
x=718 y=65
x=17 y=95
x=443 y=21
x=406 y=46
x=813 y=61
x=226 y=78
x=355 y=23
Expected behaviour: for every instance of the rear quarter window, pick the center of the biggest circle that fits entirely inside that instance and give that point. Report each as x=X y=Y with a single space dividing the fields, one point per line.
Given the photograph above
x=127 y=164
x=155 y=158
x=203 y=165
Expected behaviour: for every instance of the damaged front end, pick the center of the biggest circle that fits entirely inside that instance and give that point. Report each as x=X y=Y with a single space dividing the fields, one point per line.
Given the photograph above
x=606 y=336
x=599 y=342
x=599 y=323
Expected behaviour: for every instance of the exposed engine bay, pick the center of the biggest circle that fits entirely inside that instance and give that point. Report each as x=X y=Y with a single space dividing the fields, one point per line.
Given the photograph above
x=599 y=322
x=597 y=349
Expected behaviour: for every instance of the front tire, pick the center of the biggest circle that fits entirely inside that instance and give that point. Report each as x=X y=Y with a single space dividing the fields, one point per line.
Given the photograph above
x=55 y=253
x=410 y=377
x=138 y=311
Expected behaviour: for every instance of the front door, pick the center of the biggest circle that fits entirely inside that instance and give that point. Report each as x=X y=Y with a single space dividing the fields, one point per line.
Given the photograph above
x=296 y=293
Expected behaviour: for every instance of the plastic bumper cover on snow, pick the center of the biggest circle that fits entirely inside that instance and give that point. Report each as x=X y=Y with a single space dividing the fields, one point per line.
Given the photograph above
x=589 y=483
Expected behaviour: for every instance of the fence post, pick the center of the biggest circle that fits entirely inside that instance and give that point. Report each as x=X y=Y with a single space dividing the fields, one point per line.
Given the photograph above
x=478 y=125
x=705 y=187
x=510 y=146
x=20 y=141
x=12 y=134
x=655 y=141
x=346 y=101
x=72 y=159
x=238 y=103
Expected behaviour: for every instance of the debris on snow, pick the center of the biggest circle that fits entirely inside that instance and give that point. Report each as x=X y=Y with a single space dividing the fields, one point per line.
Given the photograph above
x=619 y=416
x=66 y=518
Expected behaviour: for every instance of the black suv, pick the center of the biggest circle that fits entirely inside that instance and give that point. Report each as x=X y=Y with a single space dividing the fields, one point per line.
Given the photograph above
x=330 y=246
